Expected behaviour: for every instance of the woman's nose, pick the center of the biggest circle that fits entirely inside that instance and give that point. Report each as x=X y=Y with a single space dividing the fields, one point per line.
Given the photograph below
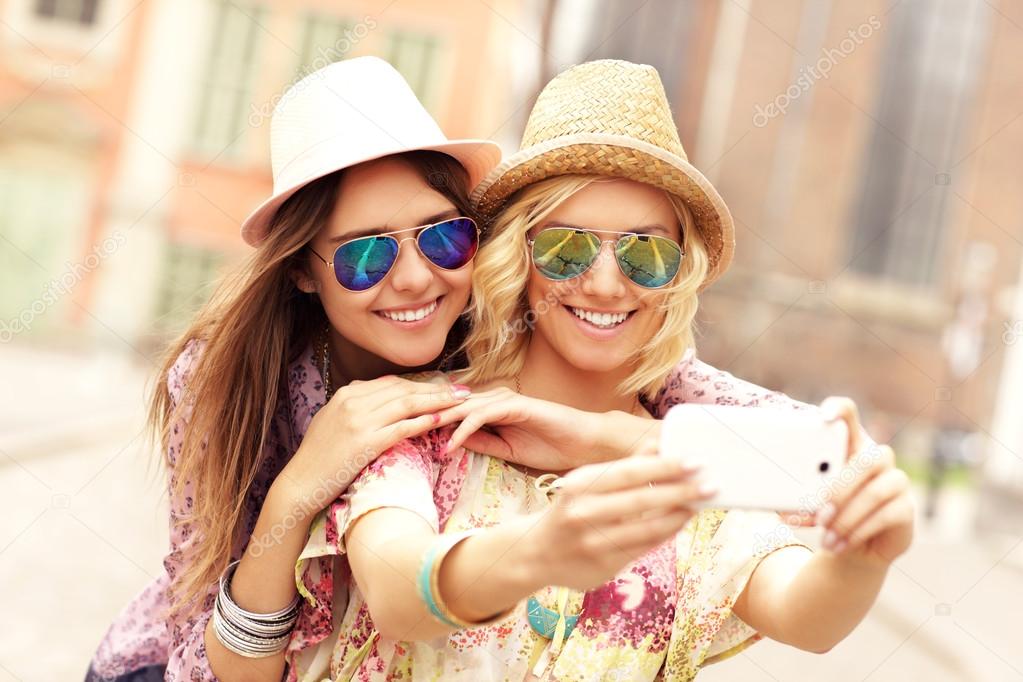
x=412 y=272
x=604 y=279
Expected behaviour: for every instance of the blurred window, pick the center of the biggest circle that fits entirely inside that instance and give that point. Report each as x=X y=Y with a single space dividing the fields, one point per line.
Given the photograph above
x=78 y=11
x=189 y=273
x=228 y=84
x=41 y=216
x=325 y=40
x=927 y=75
x=415 y=56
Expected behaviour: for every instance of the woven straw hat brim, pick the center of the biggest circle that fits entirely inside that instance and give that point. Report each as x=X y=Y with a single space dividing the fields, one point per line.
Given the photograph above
x=616 y=156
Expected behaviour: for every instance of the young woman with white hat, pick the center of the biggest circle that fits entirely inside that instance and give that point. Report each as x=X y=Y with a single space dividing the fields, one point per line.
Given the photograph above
x=312 y=315
x=464 y=568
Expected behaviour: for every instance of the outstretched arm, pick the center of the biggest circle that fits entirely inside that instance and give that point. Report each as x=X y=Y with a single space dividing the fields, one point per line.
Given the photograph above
x=604 y=516
x=385 y=549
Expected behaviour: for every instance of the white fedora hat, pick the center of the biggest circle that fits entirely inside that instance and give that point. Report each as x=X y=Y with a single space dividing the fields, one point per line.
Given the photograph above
x=348 y=112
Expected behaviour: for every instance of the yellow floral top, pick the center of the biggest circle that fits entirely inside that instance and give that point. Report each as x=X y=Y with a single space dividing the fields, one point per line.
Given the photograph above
x=663 y=617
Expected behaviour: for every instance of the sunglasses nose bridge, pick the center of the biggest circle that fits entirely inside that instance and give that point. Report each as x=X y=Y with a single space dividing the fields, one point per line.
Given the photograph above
x=604 y=255
x=399 y=242
x=418 y=249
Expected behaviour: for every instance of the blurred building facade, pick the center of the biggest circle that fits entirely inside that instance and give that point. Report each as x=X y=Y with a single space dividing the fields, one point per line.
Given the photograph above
x=135 y=139
x=869 y=152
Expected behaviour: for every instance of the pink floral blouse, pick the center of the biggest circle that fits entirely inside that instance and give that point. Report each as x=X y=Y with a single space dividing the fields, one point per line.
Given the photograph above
x=142 y=635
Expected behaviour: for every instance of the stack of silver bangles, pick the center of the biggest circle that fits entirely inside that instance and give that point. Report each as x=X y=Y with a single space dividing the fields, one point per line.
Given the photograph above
x=253 y=635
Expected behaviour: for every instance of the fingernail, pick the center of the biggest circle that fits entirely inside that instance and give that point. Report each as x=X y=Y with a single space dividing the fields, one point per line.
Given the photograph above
x=842 y=544
x=687 y=466
x=825 y=514
x=707 y=489
x=436 y=418
x=460 y=391
x=829 y=540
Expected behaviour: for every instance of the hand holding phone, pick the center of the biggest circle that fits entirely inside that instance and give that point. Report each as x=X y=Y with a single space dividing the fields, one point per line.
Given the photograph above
x=758 y=458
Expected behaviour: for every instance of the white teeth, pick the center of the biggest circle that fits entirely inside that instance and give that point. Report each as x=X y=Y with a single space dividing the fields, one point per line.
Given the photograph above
x=600 y=319
x=409 y=315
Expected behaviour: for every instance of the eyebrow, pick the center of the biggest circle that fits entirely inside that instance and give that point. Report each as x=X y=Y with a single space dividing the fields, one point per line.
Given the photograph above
x=641 y=229
x=429 y=220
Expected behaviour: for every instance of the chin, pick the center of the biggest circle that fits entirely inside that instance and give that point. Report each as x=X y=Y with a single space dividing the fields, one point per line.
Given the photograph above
x=595 y=362
x=421 y=354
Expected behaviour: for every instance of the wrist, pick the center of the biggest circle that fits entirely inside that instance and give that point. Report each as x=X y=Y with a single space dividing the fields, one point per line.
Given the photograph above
x=857 y=563
x=619 y=434
x=286 y=505
x=599 y=441
x=527 y=568
x=489 y=598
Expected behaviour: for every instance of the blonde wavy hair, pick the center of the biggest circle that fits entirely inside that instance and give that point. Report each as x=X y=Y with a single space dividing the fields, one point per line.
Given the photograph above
x=502 y=322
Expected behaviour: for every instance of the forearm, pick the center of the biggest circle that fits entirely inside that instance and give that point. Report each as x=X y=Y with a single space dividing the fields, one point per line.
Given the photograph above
x=263 y=582
x=826 y=600
x=481 y=576
x=489 y=572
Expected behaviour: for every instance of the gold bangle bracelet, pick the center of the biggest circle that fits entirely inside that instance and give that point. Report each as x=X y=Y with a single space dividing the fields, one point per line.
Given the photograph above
x=447 y=542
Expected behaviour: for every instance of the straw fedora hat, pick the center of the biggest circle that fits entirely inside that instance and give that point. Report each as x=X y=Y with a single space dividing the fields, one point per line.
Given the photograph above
x=611 y=117
x=348 y=112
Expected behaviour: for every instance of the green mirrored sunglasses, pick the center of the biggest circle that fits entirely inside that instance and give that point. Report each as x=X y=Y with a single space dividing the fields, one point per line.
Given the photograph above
x=650 y=261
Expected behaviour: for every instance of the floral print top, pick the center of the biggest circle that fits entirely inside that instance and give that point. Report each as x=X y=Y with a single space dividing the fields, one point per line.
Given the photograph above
x=663 y=617
x=142 y=635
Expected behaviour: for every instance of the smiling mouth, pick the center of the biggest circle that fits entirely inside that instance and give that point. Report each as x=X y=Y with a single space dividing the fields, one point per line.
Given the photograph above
x=600 y=320
x=411 y=314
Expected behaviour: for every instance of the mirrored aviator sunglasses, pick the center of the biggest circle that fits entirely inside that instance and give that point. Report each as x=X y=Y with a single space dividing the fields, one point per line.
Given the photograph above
x=362 y=263
x=650 y=261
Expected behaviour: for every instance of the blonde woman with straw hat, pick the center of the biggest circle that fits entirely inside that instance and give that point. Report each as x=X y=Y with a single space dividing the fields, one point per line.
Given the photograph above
x=468 y=567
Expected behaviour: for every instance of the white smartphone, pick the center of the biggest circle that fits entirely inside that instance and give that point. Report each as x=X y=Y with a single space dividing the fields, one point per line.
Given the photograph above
x=758 y=458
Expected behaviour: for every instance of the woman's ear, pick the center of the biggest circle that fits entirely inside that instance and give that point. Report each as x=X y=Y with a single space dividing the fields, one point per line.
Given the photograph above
x=304 y=281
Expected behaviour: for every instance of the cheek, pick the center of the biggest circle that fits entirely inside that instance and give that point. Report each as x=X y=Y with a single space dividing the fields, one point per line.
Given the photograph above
x=459 y=283
x=540 y=291
x=344 y=304
x=654 y=311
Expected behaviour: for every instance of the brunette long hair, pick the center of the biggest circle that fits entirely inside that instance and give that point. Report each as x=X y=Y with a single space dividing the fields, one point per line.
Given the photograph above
x=256 y=323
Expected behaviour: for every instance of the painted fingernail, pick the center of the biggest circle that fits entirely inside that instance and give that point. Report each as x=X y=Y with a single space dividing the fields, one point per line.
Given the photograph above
x=825 y=514
x=460 y=391
x=436 y=418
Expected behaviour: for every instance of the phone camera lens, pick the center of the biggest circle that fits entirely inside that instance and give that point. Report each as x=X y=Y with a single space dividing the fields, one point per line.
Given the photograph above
x=824 y=467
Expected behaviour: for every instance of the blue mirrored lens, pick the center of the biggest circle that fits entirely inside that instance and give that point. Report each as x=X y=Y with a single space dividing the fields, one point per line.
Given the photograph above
x=362 y=263
x=450 y=244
